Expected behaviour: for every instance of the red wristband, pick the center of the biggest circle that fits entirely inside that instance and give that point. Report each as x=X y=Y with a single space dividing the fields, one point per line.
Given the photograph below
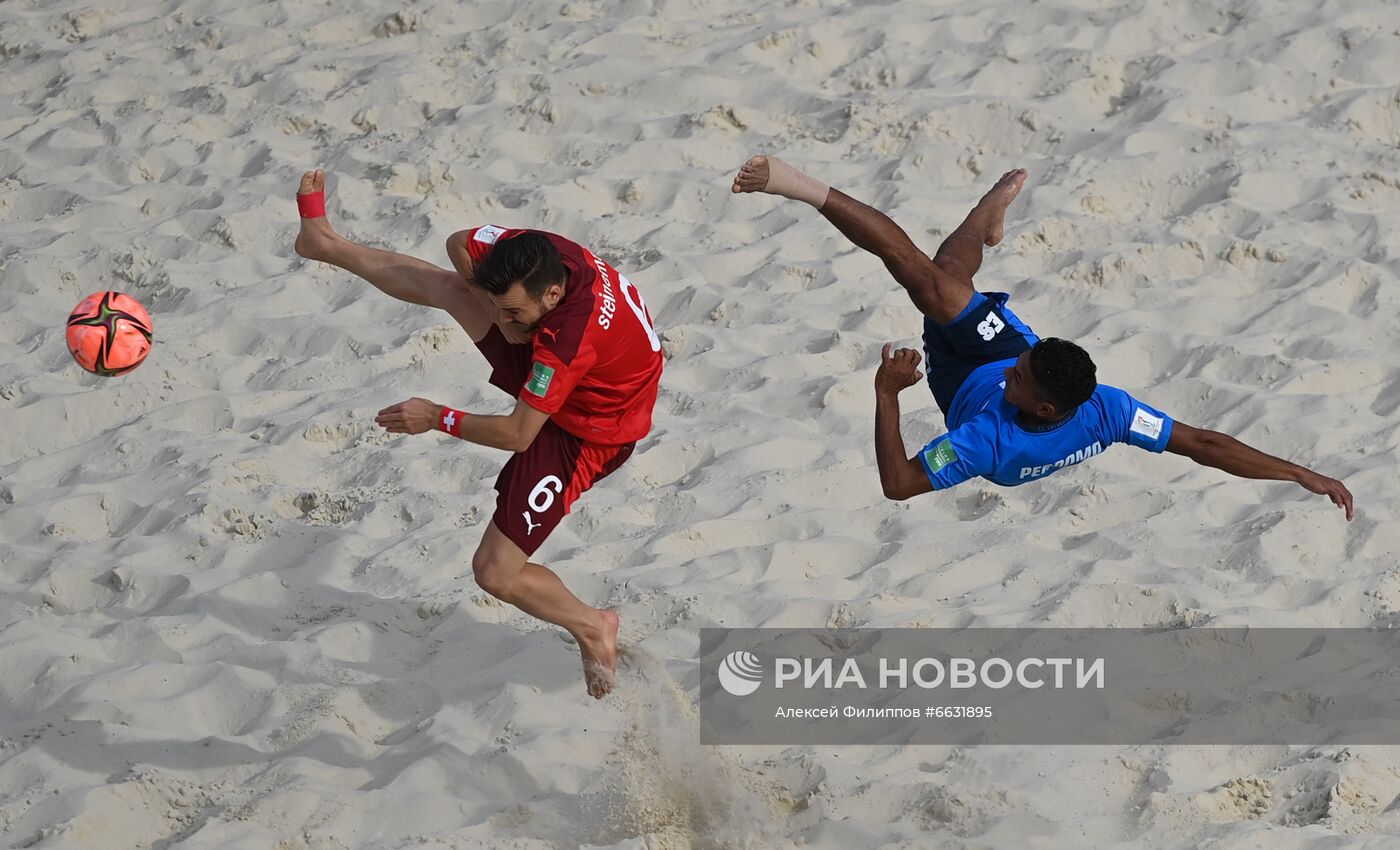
x=312 y=204
x=450 y=420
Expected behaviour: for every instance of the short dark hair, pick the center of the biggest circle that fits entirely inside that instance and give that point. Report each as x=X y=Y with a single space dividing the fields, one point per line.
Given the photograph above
x=529 y=258
x=1065 y=371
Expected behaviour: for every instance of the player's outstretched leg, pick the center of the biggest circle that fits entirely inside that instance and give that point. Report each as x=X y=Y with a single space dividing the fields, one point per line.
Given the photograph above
x=960 y=255
x=772 y=176
x=317 y=240
x=398 y=275
x=940 y=287
x=502 y=570
x=938 y=295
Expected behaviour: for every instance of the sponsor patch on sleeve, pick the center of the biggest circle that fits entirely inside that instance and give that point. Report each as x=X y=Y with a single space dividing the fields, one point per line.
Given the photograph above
x=487 y=234
x=940 y=454
x=1146 y=424
x=540 y=377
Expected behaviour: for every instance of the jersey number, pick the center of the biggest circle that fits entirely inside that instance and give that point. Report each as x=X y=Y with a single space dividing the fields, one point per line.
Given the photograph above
x=542 y=497
x=639 y=308
x=990 y=326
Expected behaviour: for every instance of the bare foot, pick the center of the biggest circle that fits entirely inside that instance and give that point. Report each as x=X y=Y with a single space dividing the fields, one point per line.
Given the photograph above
x=317 y=239
x=752 y=176
x=772 y=176
x=599 y=651
x=998 y=199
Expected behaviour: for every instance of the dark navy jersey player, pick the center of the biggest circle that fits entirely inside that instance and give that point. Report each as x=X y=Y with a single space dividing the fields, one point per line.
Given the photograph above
x=1018 y=407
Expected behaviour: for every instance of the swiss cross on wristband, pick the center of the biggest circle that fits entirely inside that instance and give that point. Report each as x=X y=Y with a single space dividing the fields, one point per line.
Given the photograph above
x=450 y=420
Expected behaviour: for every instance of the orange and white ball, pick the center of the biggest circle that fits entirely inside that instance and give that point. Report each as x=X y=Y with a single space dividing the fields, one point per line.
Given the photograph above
x=109 y=333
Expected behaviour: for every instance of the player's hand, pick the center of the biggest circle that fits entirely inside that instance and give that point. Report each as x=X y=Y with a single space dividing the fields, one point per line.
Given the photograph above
x=898 y=370
x=1331 y=488
x=409 y=417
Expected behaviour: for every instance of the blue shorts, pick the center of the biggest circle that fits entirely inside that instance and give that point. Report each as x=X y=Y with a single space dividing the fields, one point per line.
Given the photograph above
x=984 y=332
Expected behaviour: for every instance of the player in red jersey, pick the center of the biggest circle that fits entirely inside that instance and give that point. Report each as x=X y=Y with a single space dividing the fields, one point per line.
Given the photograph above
x=571 y=339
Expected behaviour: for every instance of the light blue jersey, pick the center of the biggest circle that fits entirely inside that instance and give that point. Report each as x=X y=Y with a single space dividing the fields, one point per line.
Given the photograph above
x=985 y=439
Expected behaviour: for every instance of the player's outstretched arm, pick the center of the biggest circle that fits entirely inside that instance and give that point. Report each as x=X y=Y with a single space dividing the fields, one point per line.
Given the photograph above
x=1212 y=448
x=513 y=433
x=901 y=476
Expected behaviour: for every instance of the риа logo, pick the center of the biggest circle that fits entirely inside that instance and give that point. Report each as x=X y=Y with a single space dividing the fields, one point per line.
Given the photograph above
x=740 y=673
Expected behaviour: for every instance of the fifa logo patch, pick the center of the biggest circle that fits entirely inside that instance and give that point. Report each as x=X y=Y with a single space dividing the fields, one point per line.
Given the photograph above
x=1146 y=424
x=539 y=379
x=487 y=234
x=940 y=455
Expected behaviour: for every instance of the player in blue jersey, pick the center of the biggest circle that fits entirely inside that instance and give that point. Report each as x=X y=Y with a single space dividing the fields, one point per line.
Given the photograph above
x=1018 y=407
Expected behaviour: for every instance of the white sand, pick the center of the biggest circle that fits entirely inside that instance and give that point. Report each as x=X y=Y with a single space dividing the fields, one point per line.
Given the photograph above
x=233 y=614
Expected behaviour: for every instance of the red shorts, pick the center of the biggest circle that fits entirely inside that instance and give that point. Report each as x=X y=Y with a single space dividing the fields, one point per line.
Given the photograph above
x=537 y=487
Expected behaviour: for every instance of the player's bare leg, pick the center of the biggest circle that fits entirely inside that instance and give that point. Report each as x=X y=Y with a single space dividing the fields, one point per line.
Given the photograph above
x=398 y=275
x=503 y=571
x=316 y=240
x=937 y=294
x=940 y=287
x=772 y=176
x=961 y=253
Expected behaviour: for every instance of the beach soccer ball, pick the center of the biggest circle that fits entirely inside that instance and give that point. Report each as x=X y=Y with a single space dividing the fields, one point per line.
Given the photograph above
x=109 y=333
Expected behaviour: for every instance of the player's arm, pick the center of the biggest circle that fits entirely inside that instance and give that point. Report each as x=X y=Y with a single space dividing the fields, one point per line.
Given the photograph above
x=1212 y=448
x=901 y=477
x=463 y=301
x=513 y=432
x=458 y=253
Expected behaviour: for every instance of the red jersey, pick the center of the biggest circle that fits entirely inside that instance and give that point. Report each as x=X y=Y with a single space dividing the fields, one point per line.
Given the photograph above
x=597 y=359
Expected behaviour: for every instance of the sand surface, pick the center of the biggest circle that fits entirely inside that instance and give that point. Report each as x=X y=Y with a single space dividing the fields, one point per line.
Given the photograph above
x=234 y=614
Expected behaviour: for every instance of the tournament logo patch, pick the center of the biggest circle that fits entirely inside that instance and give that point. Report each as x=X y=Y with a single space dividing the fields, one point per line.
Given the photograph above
x=1146 y=424
x=487 y=234
x=940 y=455
x=539 y=379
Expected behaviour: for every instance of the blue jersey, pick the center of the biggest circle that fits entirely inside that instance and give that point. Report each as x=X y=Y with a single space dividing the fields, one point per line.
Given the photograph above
x=985 y=439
